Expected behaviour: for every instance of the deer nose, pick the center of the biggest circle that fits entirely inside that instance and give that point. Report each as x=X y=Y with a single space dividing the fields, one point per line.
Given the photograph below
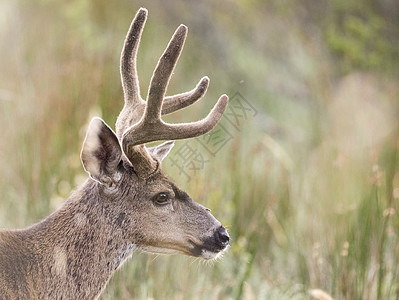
x=222 y=237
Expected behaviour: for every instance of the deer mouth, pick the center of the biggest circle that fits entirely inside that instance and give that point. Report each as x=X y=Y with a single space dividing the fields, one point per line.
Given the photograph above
x=205 y=250
x=213 y=246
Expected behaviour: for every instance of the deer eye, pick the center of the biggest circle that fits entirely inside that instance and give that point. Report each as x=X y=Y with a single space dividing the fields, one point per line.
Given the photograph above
x=162 y=199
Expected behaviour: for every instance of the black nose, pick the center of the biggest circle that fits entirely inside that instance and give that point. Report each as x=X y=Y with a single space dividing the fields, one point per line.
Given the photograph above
x=222 y=237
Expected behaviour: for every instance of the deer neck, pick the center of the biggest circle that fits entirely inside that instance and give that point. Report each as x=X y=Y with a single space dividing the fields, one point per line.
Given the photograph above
x=82 y=246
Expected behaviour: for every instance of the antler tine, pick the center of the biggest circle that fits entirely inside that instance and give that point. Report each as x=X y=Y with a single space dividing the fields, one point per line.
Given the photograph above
x=162 y=74
x=176 y=102
x=194 y=129
x=134 y=106
x=129 y=75
x=145 y=132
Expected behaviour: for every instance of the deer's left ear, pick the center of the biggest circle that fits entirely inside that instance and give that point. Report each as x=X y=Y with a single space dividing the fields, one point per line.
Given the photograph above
x=162 y=150
x=101 y=153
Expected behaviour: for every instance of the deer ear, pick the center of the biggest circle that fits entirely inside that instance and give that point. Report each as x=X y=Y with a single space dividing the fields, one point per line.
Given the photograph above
x=101 y=153
x=162 y=150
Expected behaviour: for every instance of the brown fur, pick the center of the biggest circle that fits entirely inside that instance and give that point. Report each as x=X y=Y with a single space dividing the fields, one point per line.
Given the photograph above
x=74 y=252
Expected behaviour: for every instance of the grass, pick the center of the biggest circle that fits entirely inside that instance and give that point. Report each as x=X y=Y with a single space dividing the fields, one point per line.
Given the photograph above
x=307 y=184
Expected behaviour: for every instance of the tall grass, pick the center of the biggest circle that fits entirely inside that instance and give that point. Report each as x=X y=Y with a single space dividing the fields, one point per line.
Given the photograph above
x=308 y=184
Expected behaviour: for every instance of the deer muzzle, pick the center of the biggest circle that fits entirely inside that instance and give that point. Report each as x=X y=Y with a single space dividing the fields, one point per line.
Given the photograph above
x=213 y=246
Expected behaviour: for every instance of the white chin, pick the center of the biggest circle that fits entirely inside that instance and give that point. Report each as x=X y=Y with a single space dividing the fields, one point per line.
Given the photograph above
x=156 y=250
x=206 y=254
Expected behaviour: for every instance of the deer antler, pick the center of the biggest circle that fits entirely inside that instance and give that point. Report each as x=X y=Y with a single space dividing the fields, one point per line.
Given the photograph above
x=140 y=121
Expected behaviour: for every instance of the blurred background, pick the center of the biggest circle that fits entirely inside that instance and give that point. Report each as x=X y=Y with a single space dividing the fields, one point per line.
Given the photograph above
x=303 y=170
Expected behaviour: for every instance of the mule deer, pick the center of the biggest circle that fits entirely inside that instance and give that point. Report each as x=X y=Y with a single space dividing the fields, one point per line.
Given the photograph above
x=126 y=204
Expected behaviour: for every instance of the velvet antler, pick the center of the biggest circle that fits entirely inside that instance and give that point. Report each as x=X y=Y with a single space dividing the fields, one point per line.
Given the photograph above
x=140 y=121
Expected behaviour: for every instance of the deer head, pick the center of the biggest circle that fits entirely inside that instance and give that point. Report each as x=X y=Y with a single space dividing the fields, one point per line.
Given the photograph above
x=146 y=207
